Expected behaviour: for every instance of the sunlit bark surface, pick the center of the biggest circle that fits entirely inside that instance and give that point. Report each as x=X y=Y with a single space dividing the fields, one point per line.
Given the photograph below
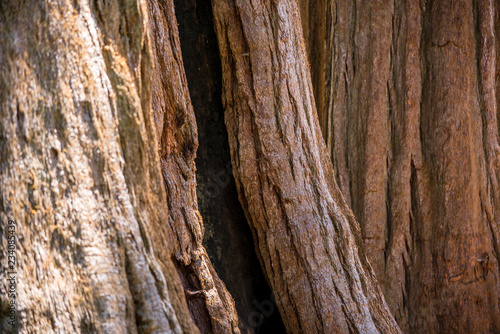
x=79 y=172
x=307 y=239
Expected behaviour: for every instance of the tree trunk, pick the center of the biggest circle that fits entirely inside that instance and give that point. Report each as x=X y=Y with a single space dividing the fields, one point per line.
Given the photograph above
x=410 y=117
x=80 y=175
x=228 y=238
x=306 y=237
x=211 y=305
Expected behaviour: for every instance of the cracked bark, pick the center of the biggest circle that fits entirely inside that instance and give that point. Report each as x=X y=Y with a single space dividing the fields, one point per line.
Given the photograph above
x=228 y=238
x=307 y=239
x=210 y=304
x=409 y=113
x=80 y=172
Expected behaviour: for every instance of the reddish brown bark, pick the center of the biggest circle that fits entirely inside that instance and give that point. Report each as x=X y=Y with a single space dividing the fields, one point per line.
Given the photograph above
x=228 y=238
x=211 y=305
x=412 y=125
x=306 y=237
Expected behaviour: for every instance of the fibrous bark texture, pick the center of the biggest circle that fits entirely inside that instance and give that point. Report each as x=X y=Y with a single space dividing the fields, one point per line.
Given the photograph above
x=211 y=305
x=307 y=239
x=79 y=172
x=228 y=238
x=409 y=113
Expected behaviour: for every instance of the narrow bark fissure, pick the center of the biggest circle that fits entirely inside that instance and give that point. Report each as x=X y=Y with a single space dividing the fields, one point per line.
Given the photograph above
x=390 y=224
x=347 y=320
x=486 y=62
x=289 y=301
x=136 y=316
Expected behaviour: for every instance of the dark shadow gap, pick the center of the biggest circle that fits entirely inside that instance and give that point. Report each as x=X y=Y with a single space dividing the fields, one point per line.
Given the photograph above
x=228 y=238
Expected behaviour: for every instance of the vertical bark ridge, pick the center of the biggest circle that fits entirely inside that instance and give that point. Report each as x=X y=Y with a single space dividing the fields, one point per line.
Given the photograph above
x=487 y=70
x=307 y=238
x=211 y=305
x=406 y=158
x=92 y=249
x=438 y=153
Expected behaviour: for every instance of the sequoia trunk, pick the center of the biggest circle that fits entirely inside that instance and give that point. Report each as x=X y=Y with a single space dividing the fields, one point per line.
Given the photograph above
x=80 y=175
x=409 y=113
x=211 y=305
x=228 y=238
x=306 y=237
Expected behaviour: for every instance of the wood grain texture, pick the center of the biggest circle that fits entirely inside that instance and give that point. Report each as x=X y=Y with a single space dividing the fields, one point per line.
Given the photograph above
x=80 y=172
x=211 y=305
x=228 y=238
x=411 y=122
x=307 y=239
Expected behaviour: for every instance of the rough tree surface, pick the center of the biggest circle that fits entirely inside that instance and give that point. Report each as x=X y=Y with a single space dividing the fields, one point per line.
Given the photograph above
x=211 y=305
x=79 y=172
x=408 y=97
x=228 y=238
x=307 y=239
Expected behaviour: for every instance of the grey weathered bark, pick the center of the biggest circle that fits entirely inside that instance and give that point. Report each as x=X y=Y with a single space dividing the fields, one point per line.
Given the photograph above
x=80 y=172
x=211 y=305
x=306 y=237
x=411 y=121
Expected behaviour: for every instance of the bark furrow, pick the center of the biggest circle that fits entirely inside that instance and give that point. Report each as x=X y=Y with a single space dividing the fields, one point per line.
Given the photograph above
x=211 y=305
x=307 y=239
x=80 y=175
x=413 y=134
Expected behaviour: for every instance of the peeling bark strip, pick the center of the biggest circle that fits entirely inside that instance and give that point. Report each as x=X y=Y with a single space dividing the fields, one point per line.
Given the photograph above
x=79 y=172
x=411 y=122
x=307 y=239
x=211 y=305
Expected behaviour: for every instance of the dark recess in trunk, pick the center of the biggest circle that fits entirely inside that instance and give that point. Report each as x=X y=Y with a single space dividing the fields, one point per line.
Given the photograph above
x=228 y=238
